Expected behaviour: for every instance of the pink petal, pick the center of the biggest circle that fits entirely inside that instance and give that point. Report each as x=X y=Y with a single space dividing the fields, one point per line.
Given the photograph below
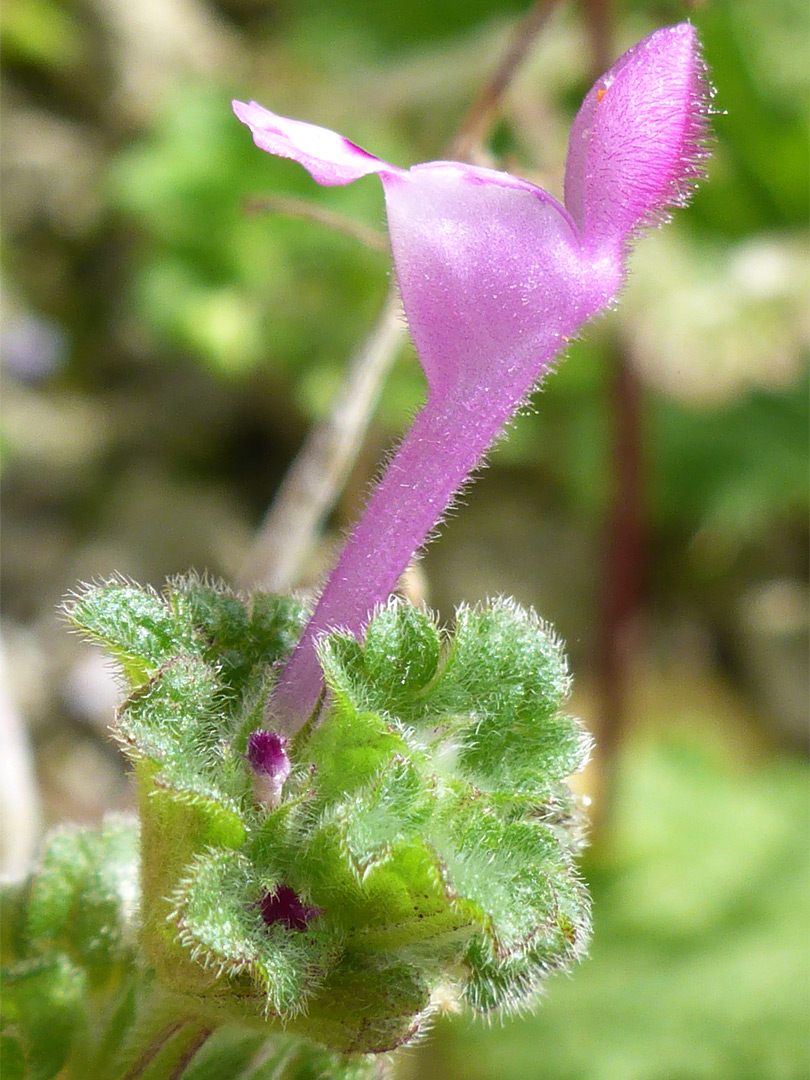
x=328 y=157
x=492 y=278
x=494 y=283
x=637 y=142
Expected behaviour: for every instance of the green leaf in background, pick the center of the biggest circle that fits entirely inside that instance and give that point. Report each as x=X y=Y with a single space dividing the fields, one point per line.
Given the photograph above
x=85 y=896
x=45 y=1001
x=74 y=958
x=42 y=32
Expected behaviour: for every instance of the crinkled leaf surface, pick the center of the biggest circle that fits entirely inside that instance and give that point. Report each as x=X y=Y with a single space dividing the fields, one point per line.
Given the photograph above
x=425 y=829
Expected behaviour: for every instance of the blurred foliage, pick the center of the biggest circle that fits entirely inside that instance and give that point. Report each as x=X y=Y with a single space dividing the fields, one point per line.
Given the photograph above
x=164 y=352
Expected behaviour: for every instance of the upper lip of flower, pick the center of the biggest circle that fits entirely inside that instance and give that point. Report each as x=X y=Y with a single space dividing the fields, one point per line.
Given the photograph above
x=479 y=174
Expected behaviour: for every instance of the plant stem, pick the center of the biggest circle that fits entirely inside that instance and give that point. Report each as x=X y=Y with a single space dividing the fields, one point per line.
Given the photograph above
x=154 y=1048
x=284 y=1061
x=599 y=19
x=307 y=210
x=624 y=564
x=625 y=535
x=19 y=795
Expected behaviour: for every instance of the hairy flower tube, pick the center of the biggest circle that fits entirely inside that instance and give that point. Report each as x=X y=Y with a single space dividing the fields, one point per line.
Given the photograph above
x=496 y=277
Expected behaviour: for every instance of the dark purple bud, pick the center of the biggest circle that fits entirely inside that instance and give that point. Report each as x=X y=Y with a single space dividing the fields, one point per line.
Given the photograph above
x=283 y=905
x=267 y=754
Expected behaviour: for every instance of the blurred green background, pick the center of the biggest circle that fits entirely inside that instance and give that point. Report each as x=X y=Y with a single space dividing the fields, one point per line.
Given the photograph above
x=164 y=353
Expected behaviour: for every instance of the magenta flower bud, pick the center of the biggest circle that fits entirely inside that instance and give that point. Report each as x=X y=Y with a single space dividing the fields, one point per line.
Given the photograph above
x=283 y=905
x=496 y=277
x=267 y=754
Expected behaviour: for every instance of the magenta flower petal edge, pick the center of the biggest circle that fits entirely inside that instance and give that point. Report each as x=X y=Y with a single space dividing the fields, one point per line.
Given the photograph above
x=496 y=277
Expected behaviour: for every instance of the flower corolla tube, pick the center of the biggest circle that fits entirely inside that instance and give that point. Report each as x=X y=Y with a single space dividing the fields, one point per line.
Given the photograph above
x=496 y=276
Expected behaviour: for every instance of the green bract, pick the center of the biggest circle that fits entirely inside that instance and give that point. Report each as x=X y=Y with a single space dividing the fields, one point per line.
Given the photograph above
x=426 y=824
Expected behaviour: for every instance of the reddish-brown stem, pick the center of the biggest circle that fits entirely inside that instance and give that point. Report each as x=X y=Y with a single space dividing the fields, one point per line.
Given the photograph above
x=196 y=1044
x=625 y=552
x=625 y=540
x=154 y=1048
x=599 y=20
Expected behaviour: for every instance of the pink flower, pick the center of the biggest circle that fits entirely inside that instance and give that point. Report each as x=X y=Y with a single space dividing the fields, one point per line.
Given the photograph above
x=496 y=277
